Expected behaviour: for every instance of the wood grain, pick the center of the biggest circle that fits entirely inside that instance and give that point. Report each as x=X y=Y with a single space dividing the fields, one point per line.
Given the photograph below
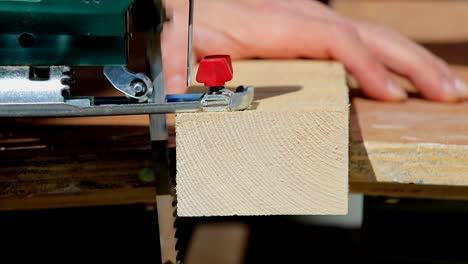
x=288 y=155
x=422 y=20
x=64 y=166
x=412 y=142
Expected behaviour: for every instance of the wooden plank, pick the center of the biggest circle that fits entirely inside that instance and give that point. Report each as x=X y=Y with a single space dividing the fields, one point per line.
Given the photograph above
x=63 y=166
x=102 y=197
x=404 y=190
x=287 y=155
x=422 y=20
x=412 y=142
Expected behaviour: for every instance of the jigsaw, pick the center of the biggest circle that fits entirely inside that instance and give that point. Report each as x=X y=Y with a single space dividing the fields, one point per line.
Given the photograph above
x=42 y=41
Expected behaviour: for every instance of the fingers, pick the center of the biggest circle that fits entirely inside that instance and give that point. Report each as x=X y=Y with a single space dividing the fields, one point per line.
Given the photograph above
x=292 y=35
x=457 y=83
x=429 y=74
x=341 y=41
x=346 y=45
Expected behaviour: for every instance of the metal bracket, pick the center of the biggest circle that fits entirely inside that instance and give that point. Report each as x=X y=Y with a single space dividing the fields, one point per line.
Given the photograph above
x=227 y=100
x=136 y=86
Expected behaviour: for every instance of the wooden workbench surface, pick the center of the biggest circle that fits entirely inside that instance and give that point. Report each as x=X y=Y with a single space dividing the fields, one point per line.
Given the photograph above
x=415 y=149
x=412 y=149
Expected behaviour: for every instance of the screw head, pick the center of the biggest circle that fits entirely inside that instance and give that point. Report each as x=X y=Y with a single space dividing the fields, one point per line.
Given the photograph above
x=138 y=87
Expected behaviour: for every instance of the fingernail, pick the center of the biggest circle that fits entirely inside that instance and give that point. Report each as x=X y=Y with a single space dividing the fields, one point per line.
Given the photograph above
x=450 y=92
x=461 y=88
x=396 y=91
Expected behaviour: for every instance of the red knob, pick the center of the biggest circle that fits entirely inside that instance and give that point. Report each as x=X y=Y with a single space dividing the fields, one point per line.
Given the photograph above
x=215 y=70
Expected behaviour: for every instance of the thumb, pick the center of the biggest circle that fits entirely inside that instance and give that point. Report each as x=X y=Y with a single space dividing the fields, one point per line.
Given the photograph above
x=174 y=53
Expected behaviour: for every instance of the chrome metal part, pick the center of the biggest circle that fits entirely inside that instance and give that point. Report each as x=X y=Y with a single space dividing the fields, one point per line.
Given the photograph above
x=84 y=106
x=24 y=84
x=228 y=100
x=134 y=85
x=158 y=129
x=242 y=98
x=189 y=44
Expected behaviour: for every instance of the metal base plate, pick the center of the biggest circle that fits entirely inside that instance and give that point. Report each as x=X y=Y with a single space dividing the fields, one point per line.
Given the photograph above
x=85 y=106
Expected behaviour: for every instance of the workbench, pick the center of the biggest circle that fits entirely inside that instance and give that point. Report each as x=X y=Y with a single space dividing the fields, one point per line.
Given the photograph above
x=411 y=149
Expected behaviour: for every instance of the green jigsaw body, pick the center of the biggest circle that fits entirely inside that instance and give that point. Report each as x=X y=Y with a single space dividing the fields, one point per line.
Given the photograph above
x=63 y=32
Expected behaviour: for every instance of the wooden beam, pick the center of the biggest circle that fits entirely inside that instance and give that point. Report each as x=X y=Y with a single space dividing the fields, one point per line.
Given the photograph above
x=287 y=155
x=422 y=20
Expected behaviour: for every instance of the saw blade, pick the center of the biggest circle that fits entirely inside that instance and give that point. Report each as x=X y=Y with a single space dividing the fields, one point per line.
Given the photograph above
x=189 y=44
x=167 y=230
x=166 y=203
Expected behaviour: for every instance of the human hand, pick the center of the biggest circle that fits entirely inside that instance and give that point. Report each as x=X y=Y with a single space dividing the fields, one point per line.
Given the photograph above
x=275 y=29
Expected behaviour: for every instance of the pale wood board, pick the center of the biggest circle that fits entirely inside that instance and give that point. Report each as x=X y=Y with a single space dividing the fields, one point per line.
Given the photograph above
x=422 y=20
x=412 y=142
x=288 y=155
